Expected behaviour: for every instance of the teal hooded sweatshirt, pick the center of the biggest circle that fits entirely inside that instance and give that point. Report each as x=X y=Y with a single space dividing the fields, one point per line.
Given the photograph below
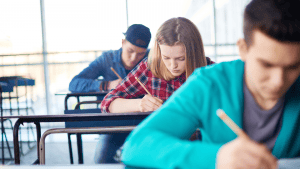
x=161 y=140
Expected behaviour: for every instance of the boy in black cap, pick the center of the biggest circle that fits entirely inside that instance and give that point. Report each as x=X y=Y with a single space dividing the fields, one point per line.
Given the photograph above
x=133 y=50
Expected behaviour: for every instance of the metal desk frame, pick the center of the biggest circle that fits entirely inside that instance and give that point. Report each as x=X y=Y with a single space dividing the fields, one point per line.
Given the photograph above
x=37 y=119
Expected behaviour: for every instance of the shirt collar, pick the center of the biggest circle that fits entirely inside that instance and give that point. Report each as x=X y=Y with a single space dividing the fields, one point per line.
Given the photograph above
x=181 y=78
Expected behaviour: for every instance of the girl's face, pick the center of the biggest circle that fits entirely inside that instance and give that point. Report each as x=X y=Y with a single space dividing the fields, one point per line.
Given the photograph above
x=174 y=58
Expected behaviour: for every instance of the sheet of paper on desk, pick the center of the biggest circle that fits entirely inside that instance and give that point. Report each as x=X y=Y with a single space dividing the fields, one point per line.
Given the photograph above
x=292 y=163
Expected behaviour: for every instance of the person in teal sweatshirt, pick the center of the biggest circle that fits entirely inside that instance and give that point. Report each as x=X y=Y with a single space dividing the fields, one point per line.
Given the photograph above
x=260 y=93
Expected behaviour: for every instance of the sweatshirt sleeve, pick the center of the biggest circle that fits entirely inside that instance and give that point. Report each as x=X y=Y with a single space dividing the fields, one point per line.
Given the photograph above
x=161 y=140
x=87 y=80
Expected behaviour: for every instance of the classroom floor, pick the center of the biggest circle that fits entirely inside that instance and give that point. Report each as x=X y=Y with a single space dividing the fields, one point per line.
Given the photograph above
x=57 y=151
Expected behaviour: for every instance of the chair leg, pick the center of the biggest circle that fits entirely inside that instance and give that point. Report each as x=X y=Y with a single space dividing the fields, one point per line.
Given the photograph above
x=79 y=147
x=8 y=147
x=11 y=125
x=30 y=127
x=20 y=142
x=2 y=143
x=12 y=128
x=32 y=132
x=70 y=148
x=28 y=138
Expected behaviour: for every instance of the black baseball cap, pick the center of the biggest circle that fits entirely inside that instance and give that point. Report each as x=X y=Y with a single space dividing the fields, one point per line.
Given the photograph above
x=138 y=35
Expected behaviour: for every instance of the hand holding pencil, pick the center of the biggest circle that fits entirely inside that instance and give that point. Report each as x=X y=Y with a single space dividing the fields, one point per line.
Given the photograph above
x=148 y=102
x=243 y=152
x=112 y=84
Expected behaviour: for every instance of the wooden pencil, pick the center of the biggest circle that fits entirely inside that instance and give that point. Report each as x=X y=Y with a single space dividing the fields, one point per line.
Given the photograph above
x=231 y=124
x=142 y=85
x=115 y=72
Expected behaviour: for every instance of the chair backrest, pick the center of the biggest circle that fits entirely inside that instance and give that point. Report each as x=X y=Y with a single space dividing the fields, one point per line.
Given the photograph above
x=99 y=95
x=123 y=122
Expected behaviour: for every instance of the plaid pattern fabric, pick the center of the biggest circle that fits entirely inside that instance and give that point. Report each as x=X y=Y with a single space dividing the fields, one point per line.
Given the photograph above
x=130 y=88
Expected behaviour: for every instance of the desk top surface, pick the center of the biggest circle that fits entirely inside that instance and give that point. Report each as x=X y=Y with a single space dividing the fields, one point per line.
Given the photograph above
x=80 y=115
x=282 y=164
x=14 y=77
x=96 y=166
x=81 y=94
x=100 y=166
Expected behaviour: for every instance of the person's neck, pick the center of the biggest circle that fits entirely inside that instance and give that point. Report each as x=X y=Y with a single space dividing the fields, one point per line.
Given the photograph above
x=265 y=104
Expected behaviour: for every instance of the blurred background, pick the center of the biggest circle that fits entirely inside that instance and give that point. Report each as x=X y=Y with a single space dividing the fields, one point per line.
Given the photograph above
x=51 y=41
x=75 y=32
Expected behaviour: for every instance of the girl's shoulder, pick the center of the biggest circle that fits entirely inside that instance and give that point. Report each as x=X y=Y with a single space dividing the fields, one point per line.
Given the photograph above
x=142 y=65
x=141 y=69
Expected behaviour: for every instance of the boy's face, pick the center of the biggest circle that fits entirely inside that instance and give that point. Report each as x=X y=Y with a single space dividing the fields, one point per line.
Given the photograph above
x=131 y=54
x=271 y=67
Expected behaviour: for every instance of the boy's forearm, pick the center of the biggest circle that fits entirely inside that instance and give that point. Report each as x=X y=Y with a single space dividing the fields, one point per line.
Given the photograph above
x=84 y=85
x=121 y=105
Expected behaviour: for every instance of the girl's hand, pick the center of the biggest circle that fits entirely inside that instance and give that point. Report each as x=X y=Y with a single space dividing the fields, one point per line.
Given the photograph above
x=149 y=103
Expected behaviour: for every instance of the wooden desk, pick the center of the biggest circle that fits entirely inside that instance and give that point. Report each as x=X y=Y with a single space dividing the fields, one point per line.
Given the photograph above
x=37 y=119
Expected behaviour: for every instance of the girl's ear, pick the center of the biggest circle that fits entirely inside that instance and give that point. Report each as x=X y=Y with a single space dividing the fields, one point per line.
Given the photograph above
x=243 y=48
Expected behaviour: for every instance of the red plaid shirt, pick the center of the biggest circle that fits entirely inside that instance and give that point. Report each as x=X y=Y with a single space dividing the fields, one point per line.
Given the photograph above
x=130 y=88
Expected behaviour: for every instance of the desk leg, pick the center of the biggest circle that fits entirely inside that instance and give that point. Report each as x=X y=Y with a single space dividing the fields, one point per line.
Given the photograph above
x=79 y=147
x=70 y=148
x=2 y=135
x=2 y=125
x=16 y=141
x=38 y=137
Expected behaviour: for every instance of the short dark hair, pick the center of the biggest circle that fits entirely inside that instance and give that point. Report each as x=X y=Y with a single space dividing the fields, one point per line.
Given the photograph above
x=280 y=19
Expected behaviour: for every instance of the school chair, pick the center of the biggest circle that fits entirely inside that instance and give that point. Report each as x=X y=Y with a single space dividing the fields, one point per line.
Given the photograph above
x=77 y=110
x=14 y=84
x=83 y=130
x=4 y=88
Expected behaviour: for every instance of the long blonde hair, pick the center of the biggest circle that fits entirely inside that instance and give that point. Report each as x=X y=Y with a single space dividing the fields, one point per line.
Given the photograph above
x=173 y=32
